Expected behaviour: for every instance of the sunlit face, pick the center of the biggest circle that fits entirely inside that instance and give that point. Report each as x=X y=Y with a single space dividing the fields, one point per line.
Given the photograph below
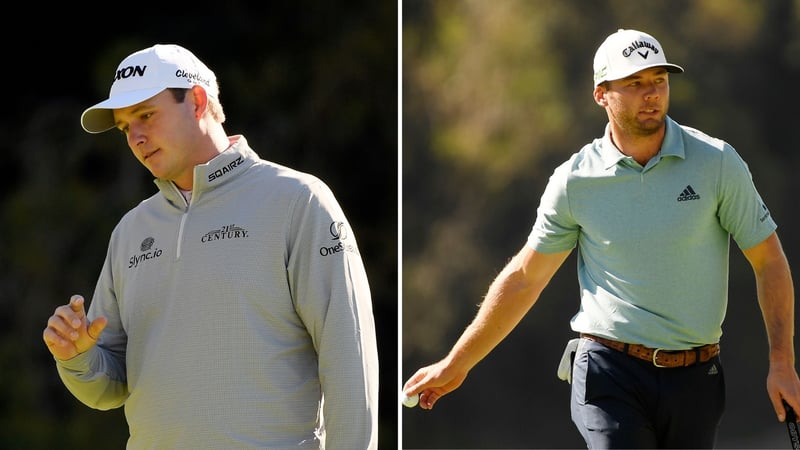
x=638 y=104
x=159 y=131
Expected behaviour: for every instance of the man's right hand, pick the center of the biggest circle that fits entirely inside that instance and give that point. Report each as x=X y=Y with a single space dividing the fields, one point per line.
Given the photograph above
x=69 y=332
x=434 y=382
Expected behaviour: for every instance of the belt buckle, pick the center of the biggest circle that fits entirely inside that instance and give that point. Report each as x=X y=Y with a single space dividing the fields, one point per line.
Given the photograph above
x=655 y=354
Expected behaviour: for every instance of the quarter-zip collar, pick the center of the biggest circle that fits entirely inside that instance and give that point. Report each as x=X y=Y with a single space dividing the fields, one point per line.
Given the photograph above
x=220 y=170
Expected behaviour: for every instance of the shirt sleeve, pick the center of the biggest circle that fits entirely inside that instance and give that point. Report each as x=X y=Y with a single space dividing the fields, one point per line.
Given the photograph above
x=97 y=377
x=742 y=212
x=555 y=229
x=332 y=297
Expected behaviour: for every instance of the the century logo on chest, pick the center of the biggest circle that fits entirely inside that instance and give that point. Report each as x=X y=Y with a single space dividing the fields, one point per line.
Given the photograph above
x=231 y=231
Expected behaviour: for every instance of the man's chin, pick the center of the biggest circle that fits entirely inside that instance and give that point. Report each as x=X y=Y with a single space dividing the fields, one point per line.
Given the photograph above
x=651 y=126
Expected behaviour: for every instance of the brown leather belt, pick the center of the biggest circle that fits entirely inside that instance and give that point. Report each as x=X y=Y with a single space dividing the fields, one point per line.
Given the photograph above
x=659 y=357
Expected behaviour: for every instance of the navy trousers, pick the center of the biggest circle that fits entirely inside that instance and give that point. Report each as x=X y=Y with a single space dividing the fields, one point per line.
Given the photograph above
x=619 y=401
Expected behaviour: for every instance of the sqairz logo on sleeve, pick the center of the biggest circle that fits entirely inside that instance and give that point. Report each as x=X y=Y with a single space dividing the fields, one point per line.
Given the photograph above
x=147 y=252
x=339 y=234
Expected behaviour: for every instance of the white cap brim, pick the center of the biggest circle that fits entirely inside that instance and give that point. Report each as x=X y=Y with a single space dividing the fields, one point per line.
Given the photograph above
x=100 y=117
x=671 y=68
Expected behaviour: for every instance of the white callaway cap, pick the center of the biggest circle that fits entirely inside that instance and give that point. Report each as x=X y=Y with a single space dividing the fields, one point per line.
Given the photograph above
x=627 y=52
x=143 y=75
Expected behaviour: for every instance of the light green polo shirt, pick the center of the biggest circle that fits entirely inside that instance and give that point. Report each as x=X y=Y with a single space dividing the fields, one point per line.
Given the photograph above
x=653 y=241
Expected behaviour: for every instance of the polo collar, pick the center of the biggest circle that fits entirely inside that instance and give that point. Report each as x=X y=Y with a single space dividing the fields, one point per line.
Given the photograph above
x=671 y=146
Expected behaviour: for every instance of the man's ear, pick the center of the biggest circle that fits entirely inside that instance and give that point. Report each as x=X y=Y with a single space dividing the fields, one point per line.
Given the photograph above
x=200 y=98
x=600 y=96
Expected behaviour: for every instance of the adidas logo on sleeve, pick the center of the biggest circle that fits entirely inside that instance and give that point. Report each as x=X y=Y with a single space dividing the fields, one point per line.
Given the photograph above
x=688 y=194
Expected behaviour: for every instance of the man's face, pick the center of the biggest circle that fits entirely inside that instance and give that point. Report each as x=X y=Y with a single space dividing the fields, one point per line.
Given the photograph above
x=159 y=132
x=638 y=103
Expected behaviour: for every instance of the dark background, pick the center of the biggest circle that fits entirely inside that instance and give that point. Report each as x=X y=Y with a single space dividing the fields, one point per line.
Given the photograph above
x=495 y=95
x=311 y=84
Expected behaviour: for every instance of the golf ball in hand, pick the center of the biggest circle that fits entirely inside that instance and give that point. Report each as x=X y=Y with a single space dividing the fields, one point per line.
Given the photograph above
x=410 y=402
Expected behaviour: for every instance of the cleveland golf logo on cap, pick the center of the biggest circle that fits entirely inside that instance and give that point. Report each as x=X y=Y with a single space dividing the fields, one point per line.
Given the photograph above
x=193 y=77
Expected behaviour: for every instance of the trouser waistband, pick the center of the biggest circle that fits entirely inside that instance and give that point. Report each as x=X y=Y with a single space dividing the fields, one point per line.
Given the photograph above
x=657 y=356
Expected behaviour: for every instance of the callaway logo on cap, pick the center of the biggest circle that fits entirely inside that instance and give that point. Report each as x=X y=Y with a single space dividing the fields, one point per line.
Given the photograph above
x=144 y=74
x=627 y=52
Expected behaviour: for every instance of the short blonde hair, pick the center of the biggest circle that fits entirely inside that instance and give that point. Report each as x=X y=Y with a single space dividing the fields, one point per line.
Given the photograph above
x=214 y=105
x=215 y=108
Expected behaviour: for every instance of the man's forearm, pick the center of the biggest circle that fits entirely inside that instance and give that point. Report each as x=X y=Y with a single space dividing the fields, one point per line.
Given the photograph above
x=776 y=300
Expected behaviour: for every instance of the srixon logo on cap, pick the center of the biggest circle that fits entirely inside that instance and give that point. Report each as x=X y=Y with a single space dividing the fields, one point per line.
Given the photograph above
x=130 y=71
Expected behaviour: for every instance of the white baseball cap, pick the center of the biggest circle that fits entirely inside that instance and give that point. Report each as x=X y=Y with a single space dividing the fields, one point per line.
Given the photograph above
x=144 y=74
x=626 y=52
